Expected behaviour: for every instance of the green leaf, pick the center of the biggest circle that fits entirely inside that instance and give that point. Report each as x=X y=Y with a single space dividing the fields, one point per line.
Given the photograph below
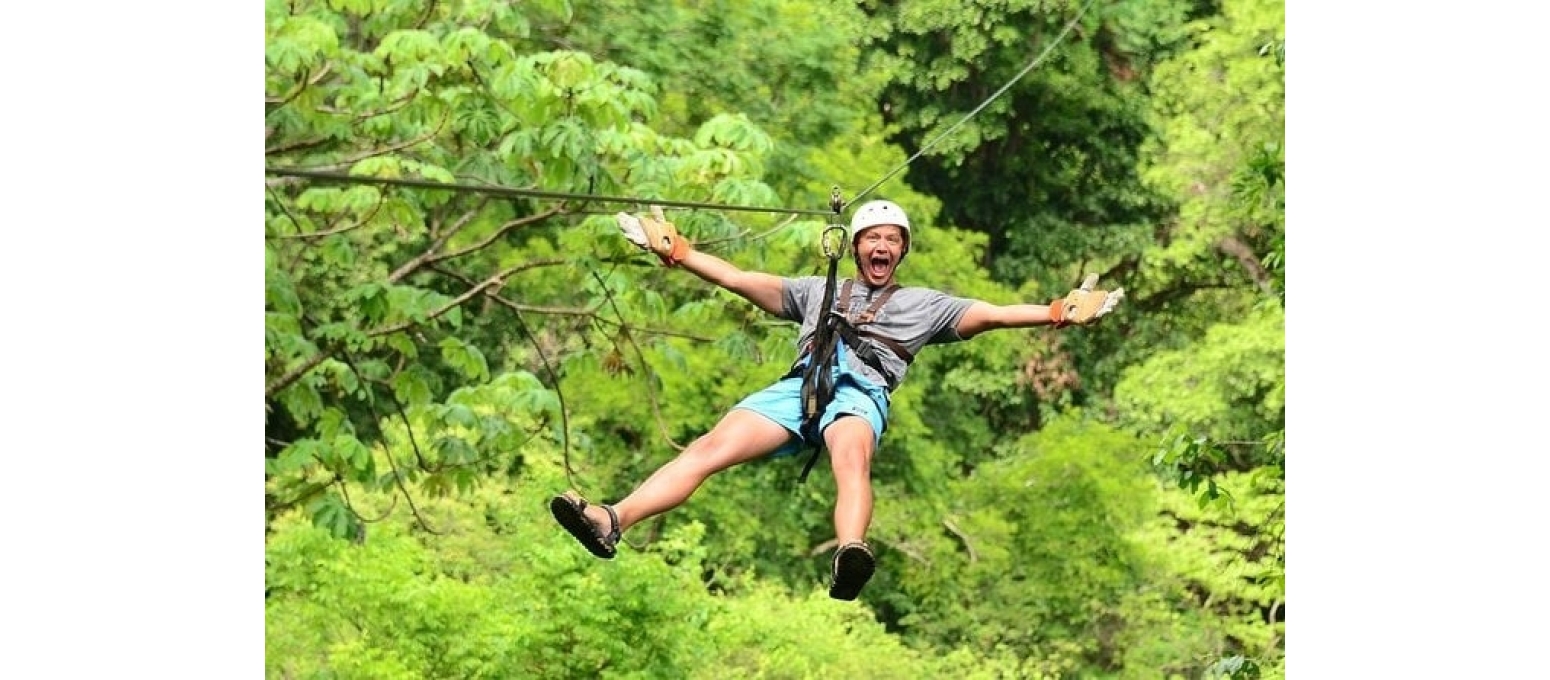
x=538 y=401
x=280 y=294
x=334 y=423
x=459 y=416
x=373 y=369
x=295 y=44
x=355 y=456
x=411 y=386
x=302 y=401
x=406 y=46
x=296 y=456
x=337 y=252
x=321 y=199
x=370 y=299
x=410 y=303
x=738 y=346
x=464 y=357
x=403 y=344
x=330 y=513
x=466 y=44
x=453 y=450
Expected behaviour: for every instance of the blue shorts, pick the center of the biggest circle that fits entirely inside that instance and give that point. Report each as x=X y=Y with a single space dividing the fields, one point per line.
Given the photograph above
x=853 y=395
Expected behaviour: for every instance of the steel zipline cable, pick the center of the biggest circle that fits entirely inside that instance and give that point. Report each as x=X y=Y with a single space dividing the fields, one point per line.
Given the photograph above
x=522 y=193
x=1036 y=61
x=837 y=207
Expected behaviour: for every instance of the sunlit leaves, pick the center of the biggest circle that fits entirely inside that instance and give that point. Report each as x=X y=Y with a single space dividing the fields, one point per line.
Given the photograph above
x=452 y=450
x=414 y=385
x=1190 y=462
x=476 y=123
x=414 y=305
x=302 y=400
x=295 y=457
x=464 y=357
x=323 y=199
x=525 y=394
x=1230 y=386
x=734 y=132
x=442 y=90
x=394 y=167
x=296 y=44
x=279 y=292
x=1220 y=112
x=471 y=44
x=358 y=8
x=407 y=46
x=355 y=457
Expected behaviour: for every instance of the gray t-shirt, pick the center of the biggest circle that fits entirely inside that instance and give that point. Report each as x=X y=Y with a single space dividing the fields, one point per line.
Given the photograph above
x=916 y=317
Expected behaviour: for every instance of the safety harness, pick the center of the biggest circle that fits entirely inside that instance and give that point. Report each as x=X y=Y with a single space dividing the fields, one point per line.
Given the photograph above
x=822 y=352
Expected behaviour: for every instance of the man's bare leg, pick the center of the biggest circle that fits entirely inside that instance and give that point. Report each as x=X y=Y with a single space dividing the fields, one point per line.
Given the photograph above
x=850 y=442
x=740 y=436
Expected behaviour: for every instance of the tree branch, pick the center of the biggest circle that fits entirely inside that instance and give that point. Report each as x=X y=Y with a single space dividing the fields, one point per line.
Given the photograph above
x=291 y=376
x=296 y=145
x=381 y=200
x=306 y=82
x=504 y=228
x=429 y=255
x=963 y=538
x=651 y=392
x=393 y=107
x=345 y=163
x=1240 y=251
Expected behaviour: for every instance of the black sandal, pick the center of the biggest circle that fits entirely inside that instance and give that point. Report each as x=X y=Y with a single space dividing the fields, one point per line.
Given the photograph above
x=853 y=567
x=571 y=513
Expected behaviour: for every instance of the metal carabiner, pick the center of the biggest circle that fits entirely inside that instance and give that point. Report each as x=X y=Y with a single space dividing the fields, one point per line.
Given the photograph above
x=833 y=241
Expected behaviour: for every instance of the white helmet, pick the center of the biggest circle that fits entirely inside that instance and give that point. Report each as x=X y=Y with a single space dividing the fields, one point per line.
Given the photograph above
x=874 y=213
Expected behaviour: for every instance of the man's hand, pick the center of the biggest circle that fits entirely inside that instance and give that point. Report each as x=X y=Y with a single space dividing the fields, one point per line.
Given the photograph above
x=656 y=234
x=1084 y=305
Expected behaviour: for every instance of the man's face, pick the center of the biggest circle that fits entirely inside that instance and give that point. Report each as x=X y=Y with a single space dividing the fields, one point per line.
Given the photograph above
x=878 y=251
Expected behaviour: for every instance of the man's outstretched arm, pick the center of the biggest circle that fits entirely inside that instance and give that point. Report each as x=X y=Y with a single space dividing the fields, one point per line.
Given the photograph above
x=764 y=290
x=983 y=316
x=1081 y=306
x=660 y=236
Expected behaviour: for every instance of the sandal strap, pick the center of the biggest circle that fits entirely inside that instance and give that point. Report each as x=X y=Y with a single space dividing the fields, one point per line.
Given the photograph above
x=853 y=544
x=613 y=520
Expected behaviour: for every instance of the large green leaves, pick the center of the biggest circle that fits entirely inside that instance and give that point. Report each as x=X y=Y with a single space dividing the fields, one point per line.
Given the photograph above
x=385 y=306
x=1046 y=167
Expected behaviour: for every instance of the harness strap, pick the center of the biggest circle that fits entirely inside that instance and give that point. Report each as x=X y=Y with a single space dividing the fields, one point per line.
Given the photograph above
x=870 y=313
x=818 y=377
x=853 y=332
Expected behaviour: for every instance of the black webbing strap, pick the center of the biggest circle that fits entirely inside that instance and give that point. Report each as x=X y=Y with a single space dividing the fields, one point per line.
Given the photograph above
x=818 y=376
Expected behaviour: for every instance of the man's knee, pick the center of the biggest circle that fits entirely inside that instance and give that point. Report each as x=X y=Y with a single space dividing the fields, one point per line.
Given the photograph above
x=850 y=443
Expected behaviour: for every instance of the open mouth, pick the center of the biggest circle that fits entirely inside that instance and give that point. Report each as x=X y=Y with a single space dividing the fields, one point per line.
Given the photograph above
x=877 y=266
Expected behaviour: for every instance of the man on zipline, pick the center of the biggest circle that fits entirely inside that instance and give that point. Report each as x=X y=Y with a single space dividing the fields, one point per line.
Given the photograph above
x=877 y=328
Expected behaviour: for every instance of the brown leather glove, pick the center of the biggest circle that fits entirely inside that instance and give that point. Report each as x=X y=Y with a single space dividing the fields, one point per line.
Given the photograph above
x=656 y=234
x=1084 y=305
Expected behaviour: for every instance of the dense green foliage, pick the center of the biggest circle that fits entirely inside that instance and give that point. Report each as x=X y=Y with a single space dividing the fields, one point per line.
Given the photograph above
x=1095 y=502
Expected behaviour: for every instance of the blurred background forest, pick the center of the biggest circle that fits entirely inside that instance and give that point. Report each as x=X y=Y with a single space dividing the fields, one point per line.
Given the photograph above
x=1099 y=502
